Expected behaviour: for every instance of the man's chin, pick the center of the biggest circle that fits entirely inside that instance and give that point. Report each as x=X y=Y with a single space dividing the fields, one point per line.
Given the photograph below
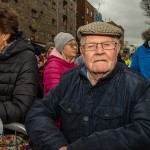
x=101 y=67
x=99 y=70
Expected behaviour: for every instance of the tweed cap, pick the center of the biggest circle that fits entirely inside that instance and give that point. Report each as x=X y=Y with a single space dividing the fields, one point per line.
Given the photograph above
x=99 y=28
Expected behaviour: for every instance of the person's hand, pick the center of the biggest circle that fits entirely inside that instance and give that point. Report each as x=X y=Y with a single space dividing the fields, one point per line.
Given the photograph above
x=63 y=148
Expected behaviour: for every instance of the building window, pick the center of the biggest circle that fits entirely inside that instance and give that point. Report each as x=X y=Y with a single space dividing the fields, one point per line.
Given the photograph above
x=33 y=33
x=34 y=13
x=52 y=37
x=53 y=22
x=71 y=30
x=53 y=5
x=5 y=1
x=91 y=14
x=71 y=6
x=64 y=4
x=46 y=2
x=87 y=11
x=65 y=21
x=96 y=17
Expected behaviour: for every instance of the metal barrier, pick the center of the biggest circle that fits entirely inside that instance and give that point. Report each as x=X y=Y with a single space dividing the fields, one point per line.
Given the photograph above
x=17 y=141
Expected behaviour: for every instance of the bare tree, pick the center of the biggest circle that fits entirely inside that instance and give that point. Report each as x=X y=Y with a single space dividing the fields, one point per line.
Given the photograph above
x=145 y=5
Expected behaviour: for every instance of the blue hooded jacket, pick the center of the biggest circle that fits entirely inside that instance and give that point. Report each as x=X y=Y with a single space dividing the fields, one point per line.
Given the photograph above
x=141 y=59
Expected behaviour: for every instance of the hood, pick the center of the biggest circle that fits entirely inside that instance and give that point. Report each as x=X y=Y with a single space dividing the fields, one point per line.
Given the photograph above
x=19 y=45
x=55 y=60
x=57 y=54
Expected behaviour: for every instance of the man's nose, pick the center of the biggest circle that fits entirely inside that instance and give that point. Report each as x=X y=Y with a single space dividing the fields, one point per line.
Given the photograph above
x=99 y=48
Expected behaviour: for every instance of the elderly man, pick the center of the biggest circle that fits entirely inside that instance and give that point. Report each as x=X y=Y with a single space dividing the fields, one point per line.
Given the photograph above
x=103 y=105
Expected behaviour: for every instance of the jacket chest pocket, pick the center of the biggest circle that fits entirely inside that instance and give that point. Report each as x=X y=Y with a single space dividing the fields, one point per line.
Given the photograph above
x=108 y=117
x=70 y=117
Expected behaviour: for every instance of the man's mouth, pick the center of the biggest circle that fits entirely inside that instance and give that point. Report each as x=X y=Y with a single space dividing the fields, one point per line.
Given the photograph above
x=99 y=60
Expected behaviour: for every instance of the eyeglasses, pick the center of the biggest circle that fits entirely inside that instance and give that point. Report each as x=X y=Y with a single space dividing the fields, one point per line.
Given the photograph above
x=73 y=45
x=109 y=45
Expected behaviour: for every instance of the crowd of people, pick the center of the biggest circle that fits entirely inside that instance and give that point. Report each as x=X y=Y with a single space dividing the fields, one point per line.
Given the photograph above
x=98 y=101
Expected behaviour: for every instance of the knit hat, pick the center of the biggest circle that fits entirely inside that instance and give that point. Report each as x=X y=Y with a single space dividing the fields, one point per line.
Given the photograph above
x=99 y=28
x=61 y=39
x=48 y=45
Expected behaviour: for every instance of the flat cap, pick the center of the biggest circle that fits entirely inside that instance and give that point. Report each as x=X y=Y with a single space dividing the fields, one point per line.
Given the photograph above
x=99 y=28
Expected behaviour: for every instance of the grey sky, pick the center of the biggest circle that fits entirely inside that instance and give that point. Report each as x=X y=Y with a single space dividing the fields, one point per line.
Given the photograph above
x=126 y=13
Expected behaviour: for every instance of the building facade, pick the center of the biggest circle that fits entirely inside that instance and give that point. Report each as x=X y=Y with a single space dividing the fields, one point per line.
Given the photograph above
x=85 y=13
x=89 y=12
x=41 y=20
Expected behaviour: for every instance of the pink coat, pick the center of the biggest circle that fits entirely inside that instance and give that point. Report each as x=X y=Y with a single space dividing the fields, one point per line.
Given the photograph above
x=55 y=67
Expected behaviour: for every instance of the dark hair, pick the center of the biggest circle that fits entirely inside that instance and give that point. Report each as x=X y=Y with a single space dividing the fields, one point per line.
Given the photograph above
x=8 y=22
x=146 y=34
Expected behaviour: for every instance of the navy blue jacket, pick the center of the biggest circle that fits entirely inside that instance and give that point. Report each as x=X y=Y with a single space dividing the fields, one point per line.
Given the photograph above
x=114 y=114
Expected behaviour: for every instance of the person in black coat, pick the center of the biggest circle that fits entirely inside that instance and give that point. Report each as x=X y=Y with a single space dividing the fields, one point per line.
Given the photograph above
x=119 y=58
x=18 y=69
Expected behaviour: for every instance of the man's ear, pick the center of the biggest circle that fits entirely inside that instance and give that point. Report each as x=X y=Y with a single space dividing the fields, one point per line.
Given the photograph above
x=81 y=50
x=118 y=48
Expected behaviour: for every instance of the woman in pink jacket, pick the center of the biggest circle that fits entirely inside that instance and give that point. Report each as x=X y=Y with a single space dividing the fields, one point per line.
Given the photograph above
x=60 y=60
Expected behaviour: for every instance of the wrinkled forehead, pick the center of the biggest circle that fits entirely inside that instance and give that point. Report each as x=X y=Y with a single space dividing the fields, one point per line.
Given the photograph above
x=99 y=38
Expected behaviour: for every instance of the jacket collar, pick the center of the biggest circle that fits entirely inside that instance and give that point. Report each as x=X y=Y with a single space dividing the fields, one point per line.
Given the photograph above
x=58 y=55
x=83 y=73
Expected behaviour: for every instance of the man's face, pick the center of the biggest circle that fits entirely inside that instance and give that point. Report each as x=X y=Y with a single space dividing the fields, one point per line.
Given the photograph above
x=102 y=59
x=126 y=57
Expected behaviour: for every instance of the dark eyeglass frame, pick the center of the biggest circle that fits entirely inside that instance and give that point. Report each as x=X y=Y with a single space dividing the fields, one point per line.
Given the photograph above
x=105 y=45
